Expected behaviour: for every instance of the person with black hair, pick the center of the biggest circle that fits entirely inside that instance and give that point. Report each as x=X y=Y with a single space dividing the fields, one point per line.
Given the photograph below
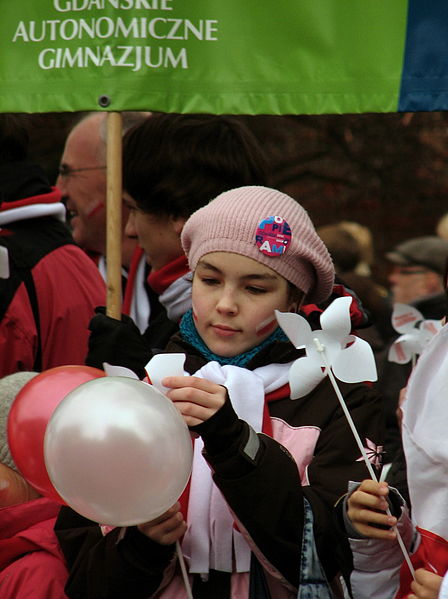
x=48 y=286
x=173 y=164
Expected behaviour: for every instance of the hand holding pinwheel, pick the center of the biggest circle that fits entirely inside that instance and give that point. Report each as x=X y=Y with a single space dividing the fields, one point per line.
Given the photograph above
x=333 y=352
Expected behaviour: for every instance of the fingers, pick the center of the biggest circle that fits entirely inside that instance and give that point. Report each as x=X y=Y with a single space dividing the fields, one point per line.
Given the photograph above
x=195 y=398
x=426 y=584
x=167 y=528
x=366 y=510
x=370 y=495
x=192 y=386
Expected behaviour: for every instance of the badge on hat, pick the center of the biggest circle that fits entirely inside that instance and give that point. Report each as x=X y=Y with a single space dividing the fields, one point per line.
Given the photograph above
x=273 y=236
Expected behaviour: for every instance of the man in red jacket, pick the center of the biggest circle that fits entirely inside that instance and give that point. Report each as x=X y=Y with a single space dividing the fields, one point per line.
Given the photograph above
x=48 y=286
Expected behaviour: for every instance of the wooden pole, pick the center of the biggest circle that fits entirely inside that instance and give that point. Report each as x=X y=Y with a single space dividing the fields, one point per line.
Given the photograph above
x=113 y=214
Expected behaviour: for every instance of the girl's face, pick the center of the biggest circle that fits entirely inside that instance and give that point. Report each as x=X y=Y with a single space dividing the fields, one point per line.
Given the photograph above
x=234 y=298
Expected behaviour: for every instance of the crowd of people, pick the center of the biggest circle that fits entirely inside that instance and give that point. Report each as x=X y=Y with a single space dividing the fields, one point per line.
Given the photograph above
x=280 y=501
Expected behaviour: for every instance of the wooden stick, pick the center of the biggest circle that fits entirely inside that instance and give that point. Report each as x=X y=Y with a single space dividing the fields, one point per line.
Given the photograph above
x=113 y=214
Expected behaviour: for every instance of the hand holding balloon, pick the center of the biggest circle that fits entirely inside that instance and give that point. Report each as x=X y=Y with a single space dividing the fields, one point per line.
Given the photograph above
x=167 y=528
x=196 y=399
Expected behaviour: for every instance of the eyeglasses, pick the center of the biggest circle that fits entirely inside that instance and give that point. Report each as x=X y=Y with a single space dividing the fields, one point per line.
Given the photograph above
x=66 y=171
x=408 y=271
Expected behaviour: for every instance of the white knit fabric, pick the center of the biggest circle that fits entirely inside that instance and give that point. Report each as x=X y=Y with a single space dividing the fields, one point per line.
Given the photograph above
x=177 y=297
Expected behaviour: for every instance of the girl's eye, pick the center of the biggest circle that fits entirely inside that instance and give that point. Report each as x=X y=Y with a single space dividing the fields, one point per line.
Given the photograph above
x=209 y=281
x=256 y=290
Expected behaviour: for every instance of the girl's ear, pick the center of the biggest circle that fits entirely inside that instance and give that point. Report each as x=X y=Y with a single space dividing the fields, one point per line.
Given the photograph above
x=178 y=223
x=297 y=299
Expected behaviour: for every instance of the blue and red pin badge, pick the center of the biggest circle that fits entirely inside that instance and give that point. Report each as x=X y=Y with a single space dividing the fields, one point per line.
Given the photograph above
x=273 y=236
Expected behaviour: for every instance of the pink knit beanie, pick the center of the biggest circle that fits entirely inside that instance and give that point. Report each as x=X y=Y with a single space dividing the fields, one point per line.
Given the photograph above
x=268 y=226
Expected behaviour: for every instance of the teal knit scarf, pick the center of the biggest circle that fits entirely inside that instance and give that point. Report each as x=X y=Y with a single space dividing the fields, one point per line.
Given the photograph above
x=190 y=334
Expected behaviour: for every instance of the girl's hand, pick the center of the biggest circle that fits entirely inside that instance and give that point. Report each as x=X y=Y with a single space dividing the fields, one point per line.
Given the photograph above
x=426 y=585
x=167 y=528
x=196 y=399
x=367 y=506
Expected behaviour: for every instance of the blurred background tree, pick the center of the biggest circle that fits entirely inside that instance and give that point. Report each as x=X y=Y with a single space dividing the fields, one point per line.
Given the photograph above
x=386 y=171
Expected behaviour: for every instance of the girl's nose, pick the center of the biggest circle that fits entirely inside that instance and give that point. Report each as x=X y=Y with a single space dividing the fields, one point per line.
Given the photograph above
x=227 y=302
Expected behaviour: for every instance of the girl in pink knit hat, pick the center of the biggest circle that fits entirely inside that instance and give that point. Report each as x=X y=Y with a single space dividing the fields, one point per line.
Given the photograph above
x=257 y=517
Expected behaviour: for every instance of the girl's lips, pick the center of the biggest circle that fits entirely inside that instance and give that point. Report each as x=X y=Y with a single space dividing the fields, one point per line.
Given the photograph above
x=223 y=331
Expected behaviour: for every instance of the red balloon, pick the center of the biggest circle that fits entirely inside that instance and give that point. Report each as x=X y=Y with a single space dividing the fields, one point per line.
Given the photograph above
x=29 y=415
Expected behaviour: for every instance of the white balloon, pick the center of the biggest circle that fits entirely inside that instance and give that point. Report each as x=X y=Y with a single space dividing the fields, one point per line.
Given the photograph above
x=117 y=451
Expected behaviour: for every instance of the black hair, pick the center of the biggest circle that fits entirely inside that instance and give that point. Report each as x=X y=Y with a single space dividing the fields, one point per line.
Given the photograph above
x=14 y=137
x=173 y=164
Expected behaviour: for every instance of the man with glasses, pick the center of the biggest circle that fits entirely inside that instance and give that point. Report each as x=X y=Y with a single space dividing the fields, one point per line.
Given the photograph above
x=417 y=279
x=82 y=181
x=418 y=267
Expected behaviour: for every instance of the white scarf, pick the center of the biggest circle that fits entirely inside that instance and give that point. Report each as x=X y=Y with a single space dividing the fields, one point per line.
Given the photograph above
x=176 y=299
x=140 y=308
x=211 y=540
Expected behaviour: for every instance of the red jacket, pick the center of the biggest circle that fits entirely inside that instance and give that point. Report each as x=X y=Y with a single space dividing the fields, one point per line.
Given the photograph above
x=31 y=563
x=51 y=329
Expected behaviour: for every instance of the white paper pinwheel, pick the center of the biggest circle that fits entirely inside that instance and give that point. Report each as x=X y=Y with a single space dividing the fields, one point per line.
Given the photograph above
x=162 y=365
x=112 y=370
x=158 y=367
x=349 y=357
x=333 y=351
x=416 y=333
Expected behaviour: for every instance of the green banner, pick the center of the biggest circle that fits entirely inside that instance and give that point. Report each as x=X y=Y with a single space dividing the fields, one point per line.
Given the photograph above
x=219 y=56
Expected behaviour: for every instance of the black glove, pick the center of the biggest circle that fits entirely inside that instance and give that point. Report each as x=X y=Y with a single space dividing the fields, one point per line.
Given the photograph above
x=118 y=342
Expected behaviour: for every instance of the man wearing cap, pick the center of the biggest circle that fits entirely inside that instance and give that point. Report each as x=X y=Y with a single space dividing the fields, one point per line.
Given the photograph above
x=417 y=279
x=417 y=274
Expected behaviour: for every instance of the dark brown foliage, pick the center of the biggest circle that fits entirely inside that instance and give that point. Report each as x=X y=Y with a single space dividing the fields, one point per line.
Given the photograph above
x=386 y=171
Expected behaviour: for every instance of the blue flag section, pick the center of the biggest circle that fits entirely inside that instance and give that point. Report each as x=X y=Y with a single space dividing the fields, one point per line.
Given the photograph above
x=424 y=81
